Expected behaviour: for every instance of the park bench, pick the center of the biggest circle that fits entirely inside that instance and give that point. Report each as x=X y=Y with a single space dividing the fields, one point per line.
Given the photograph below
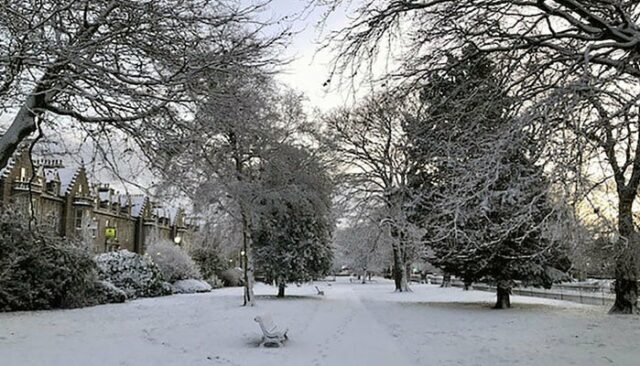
x=271 y=334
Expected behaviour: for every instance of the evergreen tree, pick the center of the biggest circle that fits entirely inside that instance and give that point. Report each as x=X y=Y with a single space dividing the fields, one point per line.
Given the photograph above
x=480 y=193
x=292 y=234
x=501 y=229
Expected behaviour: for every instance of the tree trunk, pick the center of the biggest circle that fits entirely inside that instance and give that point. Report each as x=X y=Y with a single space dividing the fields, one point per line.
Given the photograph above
x=247 y=261
x=446 y=280
x=467 y=285
x=24 y=122
x=22 y=126
x=400 y=265
x=626 y=285
x=281 y=287
x=397 y=268
x=249 y=298
x=406 y=276
x=504 y=293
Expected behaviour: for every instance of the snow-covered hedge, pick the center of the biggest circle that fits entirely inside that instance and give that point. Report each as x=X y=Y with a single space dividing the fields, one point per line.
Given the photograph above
x=174 y=263
x=41 y=272
x=190 y=286
x=136 y=275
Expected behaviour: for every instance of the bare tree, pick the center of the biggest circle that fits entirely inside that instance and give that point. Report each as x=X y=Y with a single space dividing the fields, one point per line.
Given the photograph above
x=565 y=32
x=125 y=65
x=364 y=247
x=370 y=144
x=600 y=115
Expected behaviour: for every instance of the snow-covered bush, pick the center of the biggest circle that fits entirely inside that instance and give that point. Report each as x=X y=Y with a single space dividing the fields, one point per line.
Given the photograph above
x=232 y=277
x=41 y=272
x=106 y=292
x=174 y=263
x=214 y=281
x=136 y=275
x=190 y=286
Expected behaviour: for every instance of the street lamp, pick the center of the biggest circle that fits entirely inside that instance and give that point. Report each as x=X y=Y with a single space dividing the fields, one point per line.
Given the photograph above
x=177 y=240
x=243 y=263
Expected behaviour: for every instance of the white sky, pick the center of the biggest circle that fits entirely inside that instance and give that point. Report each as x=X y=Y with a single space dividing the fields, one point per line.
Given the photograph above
x=310 y=67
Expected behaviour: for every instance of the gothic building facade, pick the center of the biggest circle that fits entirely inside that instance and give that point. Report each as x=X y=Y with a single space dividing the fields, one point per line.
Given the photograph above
x=62 y=200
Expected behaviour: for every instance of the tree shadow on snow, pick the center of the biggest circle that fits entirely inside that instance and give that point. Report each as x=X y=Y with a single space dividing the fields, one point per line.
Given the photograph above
x=289 y=297
x=485 y=306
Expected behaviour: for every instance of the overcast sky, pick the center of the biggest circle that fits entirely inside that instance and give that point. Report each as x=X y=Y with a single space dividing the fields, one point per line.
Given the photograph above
x=310 y=67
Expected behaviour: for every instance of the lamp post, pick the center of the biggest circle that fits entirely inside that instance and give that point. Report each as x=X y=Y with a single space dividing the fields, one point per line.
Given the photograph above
x=243 y=261
x=177 y=240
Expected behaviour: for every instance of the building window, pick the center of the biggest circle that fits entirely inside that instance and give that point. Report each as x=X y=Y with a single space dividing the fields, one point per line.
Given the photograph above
x=79 y=219
x=94 y=228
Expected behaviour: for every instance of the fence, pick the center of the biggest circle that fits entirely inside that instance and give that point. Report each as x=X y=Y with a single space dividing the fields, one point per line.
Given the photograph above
x=584 y=294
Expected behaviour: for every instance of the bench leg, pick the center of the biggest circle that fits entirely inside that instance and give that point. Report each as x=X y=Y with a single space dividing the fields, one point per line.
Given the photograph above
x=271 y=341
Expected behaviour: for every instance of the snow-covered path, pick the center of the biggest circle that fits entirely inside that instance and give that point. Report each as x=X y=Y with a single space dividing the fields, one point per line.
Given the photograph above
x=345 y=332
x=352 y=325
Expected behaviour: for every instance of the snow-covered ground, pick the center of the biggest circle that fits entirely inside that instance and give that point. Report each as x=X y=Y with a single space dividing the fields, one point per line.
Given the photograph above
x=353 y=324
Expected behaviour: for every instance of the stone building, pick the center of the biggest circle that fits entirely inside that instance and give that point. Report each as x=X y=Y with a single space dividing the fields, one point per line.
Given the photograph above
x=113 y=211
x=61 y=199
x=70 y=186
x=156 y=224
x=21 y=186
x=139 y=203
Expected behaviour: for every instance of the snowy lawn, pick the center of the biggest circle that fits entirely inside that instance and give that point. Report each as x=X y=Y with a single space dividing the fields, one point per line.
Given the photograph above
x=354 y=324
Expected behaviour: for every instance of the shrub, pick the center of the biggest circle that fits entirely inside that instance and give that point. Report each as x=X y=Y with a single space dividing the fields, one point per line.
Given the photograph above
x=136 y=275
x=214 y=281
x=190 y=286
x=206 y=255
x=232 y=277
x=107 y=292
x=41 y=272
x=174 y=263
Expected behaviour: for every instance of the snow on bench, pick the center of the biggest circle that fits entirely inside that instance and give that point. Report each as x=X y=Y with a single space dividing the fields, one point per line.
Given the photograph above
x=271 y=334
